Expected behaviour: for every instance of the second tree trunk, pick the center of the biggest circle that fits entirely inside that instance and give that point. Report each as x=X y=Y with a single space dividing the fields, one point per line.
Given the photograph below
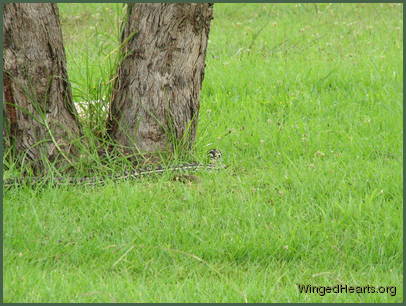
x=155 y=100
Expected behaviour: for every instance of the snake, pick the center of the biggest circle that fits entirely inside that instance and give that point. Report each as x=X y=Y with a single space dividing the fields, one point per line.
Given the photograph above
x=214 y=164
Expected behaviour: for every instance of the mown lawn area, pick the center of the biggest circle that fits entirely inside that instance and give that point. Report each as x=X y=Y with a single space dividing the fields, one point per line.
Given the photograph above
x=305 y=102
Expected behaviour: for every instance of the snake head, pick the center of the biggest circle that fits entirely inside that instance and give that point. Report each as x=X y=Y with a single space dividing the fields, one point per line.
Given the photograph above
x=214 y=155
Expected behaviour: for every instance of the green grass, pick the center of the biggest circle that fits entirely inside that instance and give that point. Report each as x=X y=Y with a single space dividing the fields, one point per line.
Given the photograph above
x=305 y=102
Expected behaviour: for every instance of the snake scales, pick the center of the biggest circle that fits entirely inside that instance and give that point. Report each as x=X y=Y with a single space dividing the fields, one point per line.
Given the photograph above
x=214 y=156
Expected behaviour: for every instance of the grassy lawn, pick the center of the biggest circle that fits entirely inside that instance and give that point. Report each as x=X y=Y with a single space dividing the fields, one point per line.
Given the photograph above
x=305 y=102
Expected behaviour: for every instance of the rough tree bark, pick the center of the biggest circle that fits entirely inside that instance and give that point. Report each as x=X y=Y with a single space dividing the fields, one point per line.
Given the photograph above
x=155 y=100
x=40 y=116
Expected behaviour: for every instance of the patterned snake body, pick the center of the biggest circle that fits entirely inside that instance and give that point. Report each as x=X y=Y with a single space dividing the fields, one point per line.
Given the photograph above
x=214 y=156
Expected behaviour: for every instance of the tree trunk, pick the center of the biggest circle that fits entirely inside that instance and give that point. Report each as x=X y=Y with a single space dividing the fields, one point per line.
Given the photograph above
x=155 y=101
x=40 y=116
